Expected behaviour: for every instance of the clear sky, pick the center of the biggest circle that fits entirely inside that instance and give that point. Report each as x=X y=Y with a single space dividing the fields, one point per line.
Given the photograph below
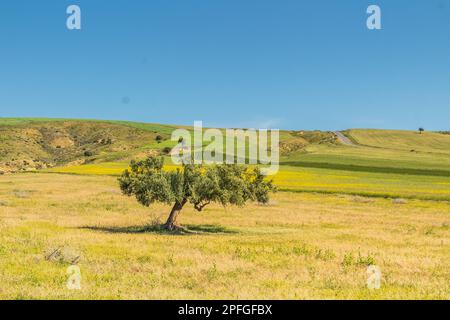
x=231 y=63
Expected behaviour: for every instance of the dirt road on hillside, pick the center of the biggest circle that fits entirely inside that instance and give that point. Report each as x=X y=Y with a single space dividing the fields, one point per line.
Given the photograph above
x=343 y=139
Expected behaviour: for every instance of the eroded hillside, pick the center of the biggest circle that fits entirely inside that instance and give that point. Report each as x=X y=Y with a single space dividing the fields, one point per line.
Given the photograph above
x=37 y=144
x=42 y=145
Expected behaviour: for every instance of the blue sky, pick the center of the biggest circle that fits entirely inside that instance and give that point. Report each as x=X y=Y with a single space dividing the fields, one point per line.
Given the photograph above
x=231 y=63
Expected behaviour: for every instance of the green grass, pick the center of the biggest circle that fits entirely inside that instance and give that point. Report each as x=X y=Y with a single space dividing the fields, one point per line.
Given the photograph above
x=429 y=142
x=388 y=151
x=160 y=128
x=370 y=159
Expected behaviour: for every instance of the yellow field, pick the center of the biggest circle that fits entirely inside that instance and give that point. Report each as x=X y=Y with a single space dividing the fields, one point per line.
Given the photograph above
x=301 y=246
x=364 y=183
x=322 y=180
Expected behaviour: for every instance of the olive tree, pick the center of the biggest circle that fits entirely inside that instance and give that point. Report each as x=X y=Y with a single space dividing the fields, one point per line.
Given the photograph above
x=227 y=184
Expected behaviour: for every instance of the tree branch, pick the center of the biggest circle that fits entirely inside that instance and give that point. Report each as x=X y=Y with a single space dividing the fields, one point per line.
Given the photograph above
x=199 y=206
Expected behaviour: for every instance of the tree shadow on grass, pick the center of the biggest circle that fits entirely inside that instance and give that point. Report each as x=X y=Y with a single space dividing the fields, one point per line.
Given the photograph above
x=209 y=228
x=158 y=229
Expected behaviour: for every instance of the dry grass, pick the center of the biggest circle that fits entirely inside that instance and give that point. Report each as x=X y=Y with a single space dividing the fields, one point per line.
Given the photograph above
x=301 y=246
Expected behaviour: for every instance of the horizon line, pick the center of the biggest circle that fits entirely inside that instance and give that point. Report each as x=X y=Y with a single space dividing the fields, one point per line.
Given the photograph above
x=191 y=125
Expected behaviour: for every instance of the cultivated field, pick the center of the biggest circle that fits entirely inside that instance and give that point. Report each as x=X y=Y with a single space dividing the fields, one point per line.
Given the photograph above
x=301 y=246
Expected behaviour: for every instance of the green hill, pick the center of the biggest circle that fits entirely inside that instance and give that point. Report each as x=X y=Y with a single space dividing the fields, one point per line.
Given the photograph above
x=382 y=163
x=34 y=144
x=390 y=151
x=430 y=142
x=29 y=144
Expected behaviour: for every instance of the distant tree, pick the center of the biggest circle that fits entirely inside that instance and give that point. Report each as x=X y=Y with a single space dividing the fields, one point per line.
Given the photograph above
x=159 y=138
x=166 y=150
x=195 y=184
x=421 y=130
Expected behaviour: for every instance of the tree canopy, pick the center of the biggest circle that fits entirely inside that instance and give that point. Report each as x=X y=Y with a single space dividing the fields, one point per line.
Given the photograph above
x=226 y=184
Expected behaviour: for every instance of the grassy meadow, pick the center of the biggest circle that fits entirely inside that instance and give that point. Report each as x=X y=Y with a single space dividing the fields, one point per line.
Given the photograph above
x=383 y=201
x=305 y=179
x=300 y=246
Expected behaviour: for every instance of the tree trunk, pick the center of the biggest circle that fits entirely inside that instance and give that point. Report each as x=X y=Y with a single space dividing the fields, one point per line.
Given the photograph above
x=172 y=219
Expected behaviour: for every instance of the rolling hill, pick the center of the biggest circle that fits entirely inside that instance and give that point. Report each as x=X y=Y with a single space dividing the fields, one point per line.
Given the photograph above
x=426 y=142
x=382 y=163
x=31 y=144
x=28 y=144
x=390 y=151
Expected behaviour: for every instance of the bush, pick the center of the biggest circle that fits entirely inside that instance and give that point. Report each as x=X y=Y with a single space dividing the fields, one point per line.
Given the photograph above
x=88 y=153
